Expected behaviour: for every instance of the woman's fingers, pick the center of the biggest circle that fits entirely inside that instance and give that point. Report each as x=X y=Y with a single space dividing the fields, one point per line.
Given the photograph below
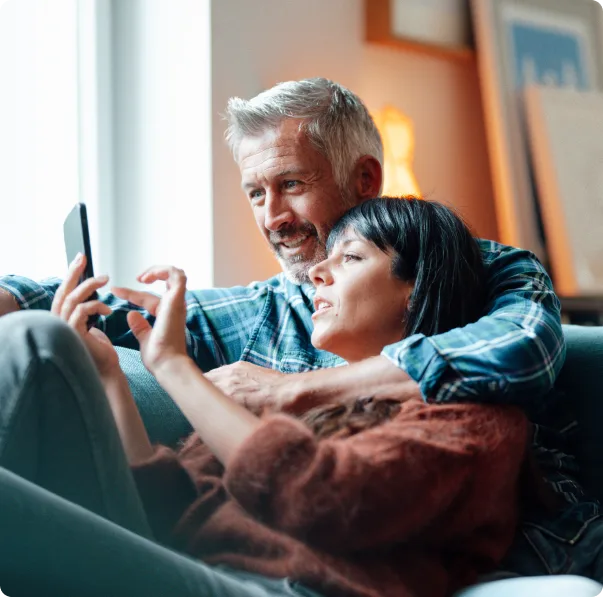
x=166 y=337
x=173 y=300
x=81 y=313
x=176 y=281
x=81 y=294
x=168 y=273
x=146 y=300
x=76 y=267
x=140 y=327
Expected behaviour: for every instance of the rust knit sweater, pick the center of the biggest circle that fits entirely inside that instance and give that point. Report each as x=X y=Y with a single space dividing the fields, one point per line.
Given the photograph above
x=416 y=507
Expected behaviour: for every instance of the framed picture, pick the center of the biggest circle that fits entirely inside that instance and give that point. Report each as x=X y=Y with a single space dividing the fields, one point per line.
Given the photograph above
x=441 y=28
x=558 y=43
x=565 y=131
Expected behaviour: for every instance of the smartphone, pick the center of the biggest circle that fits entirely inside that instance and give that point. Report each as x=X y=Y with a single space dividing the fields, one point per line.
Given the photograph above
x=77 y=240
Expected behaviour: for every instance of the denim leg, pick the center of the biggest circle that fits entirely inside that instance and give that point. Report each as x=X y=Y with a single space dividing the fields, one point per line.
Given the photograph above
x=54 y=548
x=56 y=427
x=536 y=552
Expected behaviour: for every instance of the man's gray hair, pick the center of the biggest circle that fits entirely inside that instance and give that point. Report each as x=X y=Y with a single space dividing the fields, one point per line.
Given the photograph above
x=335 y=120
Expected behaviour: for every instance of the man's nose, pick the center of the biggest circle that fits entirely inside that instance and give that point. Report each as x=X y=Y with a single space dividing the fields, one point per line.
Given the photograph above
x=277 y=212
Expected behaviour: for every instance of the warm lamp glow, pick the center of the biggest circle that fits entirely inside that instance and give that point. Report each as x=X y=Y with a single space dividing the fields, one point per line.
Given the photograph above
x=398 y=148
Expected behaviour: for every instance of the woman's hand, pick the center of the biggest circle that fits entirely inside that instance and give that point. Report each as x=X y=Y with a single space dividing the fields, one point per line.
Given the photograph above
x=70 y=304
x=166 y=340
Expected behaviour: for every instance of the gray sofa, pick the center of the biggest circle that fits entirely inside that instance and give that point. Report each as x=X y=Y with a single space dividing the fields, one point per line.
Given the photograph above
x=581 y=377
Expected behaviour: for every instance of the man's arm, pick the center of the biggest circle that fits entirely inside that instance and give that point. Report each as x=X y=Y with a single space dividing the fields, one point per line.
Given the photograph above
x=214 y=336
x=8 y=303
x=18 y=292
x=256 y=387
x=510 y=355
x=29 y=294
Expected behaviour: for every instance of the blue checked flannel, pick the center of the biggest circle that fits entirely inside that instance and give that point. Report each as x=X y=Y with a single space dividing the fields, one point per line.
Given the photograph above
x=511 y=355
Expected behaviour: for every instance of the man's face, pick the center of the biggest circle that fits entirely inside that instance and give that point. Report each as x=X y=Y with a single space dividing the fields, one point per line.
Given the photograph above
x=294 y=198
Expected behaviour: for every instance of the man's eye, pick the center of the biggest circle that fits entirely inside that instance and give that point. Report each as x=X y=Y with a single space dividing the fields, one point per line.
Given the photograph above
x=291 y=184
x=255 y=195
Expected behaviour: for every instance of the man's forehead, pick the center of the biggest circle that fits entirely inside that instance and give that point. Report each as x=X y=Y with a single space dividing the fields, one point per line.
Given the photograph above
x=271 y=142
x=274 y=152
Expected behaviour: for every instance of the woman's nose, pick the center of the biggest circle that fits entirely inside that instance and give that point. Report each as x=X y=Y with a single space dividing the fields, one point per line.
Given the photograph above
x=319 y=273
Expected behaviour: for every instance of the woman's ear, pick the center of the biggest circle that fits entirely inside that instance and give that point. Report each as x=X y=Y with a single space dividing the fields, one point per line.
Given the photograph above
x=367 y=177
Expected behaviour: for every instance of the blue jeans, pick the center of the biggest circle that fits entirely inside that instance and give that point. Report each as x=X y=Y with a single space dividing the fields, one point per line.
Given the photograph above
x=71 y=520
x=535 y=551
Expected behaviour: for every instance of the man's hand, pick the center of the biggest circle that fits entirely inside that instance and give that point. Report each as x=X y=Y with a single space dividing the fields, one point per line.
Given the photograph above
x=256 y=387
x=252 y=386
x=8 y=303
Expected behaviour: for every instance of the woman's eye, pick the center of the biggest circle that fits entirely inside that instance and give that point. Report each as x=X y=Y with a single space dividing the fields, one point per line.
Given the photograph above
x=350 y=257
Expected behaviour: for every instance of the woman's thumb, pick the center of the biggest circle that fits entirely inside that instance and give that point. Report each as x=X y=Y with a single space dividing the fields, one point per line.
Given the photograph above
x=140 y=327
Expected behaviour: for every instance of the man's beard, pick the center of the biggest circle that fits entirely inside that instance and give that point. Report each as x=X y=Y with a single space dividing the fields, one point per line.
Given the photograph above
x=296 y=268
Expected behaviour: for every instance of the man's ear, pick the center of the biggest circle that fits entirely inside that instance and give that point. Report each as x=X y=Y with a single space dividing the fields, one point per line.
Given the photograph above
x=368 y=177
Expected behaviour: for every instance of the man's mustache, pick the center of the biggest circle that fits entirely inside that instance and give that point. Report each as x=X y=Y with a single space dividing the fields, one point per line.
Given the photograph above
x=284 y=234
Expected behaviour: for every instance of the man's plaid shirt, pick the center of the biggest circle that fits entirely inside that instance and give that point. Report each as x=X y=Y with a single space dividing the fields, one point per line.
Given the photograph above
x=511 y=355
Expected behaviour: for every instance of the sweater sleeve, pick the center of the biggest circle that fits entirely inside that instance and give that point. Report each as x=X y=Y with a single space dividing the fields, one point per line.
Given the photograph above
x=380 y=486
x=166 y=490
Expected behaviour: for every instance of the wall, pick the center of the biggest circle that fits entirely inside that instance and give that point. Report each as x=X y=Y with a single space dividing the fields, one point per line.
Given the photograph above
x=257 y=44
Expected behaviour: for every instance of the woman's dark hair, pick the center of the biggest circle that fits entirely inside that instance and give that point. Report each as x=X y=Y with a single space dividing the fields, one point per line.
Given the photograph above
x=341 y=420
x=433 y=248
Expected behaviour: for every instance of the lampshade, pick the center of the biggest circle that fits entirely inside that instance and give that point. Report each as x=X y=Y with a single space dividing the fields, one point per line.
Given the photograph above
x=398 y=148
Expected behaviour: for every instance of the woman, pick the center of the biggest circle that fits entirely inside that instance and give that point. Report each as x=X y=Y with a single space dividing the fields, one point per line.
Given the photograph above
x=372 y=498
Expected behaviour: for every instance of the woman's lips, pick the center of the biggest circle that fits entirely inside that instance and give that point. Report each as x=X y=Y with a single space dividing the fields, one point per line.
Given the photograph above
x=320 y=307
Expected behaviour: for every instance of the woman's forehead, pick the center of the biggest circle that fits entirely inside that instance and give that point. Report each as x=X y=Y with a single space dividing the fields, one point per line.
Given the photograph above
x=345 y=237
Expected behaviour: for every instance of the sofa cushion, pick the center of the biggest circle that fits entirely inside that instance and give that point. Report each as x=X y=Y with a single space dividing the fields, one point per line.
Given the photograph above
x=162 y=418
x=581 y=379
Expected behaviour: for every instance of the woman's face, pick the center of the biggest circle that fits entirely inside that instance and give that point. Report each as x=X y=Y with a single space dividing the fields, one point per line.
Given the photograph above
x=359 y=304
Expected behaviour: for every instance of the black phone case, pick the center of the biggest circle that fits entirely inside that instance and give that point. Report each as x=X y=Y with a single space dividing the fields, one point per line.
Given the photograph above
x=77 y=240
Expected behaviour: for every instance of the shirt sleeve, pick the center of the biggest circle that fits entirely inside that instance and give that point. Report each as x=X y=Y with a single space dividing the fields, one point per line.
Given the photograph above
x=219 y=322
x=511 y=355
x=384 y=485
x=30 y=294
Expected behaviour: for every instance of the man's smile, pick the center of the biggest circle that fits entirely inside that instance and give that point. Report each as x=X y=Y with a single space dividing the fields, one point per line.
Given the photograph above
x=294 y=246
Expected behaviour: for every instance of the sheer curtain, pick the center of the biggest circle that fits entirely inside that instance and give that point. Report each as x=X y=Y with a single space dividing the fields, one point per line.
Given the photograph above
x=39 y=177
x=106 y=102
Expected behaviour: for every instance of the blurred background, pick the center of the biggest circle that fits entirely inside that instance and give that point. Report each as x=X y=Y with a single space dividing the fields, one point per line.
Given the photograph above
x=117 y=103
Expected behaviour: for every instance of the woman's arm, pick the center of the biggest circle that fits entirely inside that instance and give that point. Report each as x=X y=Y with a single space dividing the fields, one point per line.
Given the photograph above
x=221 y=423
x=433 y=471
x=132 y=432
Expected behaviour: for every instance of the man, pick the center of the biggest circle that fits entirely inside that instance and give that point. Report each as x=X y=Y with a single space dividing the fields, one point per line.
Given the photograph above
x=307 y=151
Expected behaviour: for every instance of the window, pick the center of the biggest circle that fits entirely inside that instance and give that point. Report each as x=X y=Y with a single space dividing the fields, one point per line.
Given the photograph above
x=38 y=133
